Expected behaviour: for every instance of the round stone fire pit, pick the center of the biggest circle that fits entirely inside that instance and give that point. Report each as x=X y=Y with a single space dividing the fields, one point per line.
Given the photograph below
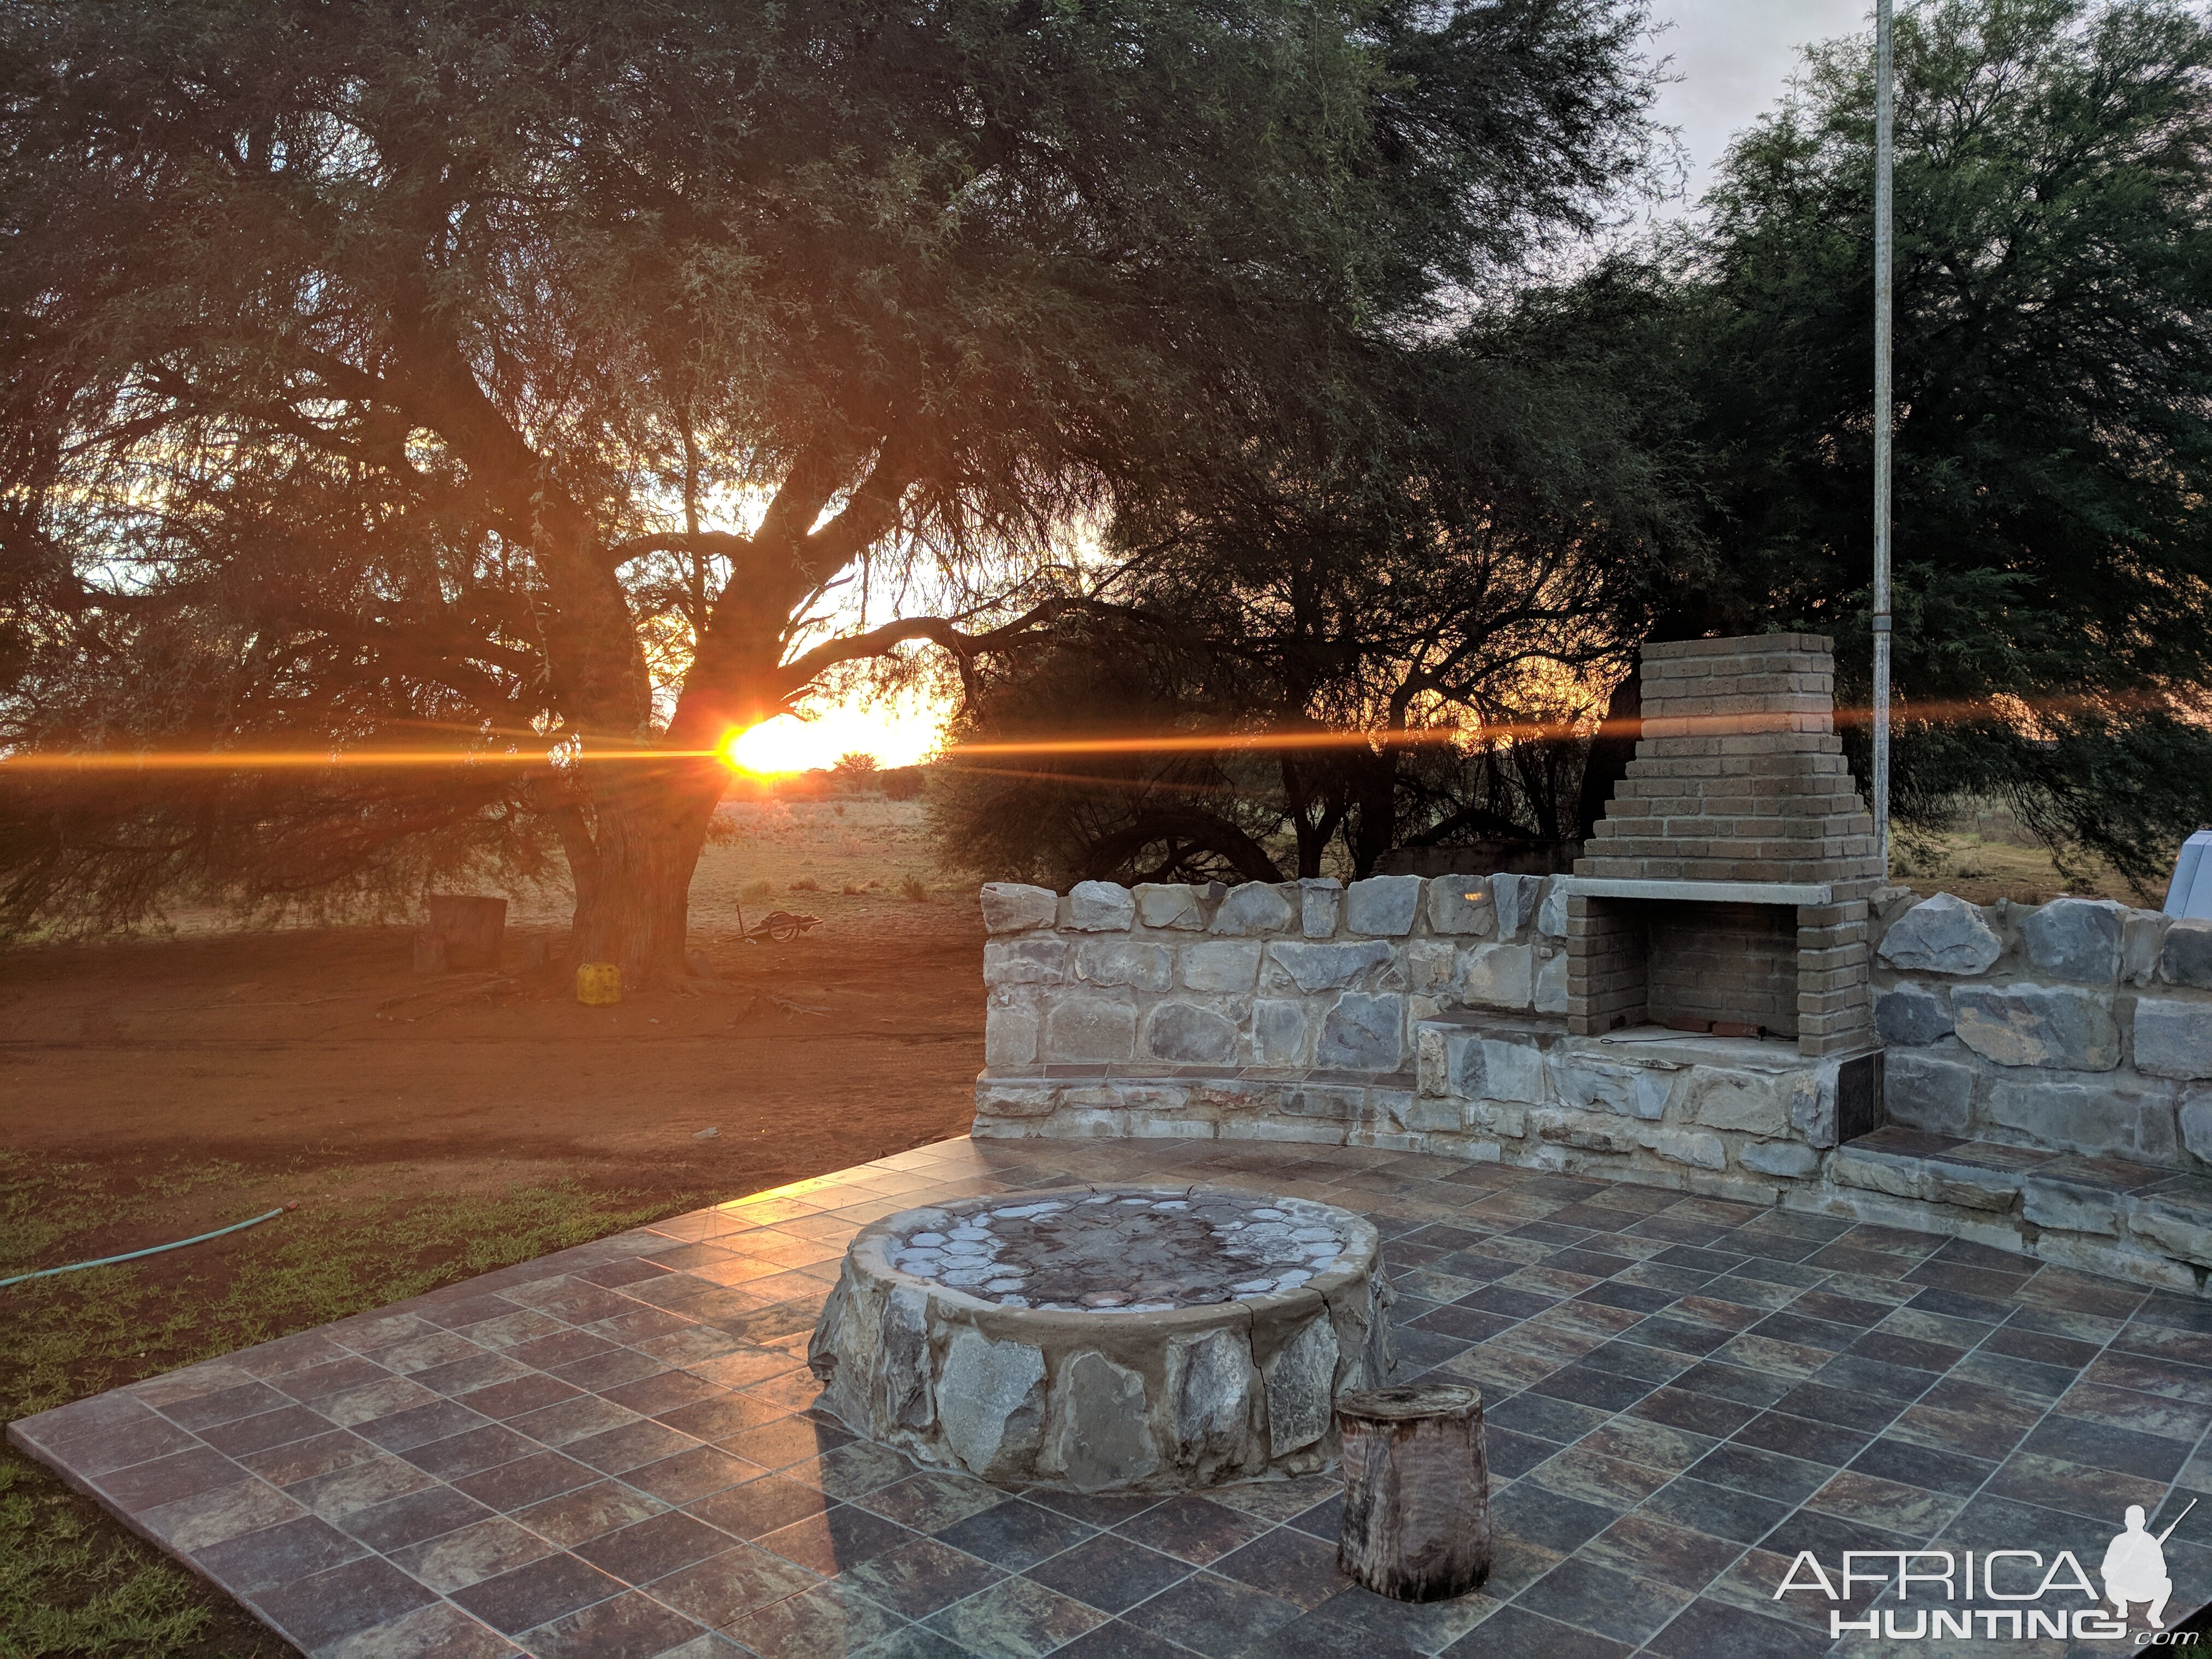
x=1142 y=1338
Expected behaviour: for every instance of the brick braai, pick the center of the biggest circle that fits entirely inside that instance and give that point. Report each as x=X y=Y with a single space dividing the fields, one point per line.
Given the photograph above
x=1729 y=881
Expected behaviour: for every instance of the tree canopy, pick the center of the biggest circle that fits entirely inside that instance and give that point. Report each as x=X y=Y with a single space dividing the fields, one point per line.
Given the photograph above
x=502 y=377
x=2053 y=364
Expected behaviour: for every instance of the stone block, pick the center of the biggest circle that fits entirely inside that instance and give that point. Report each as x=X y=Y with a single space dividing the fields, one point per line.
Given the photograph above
x=1746 y=1101
x=1001 y=1098
x=1383 y=905
x=1013 y=907
x=1314 y=968
x=1497 y=976
x=990 y=1402
x=1101 y=907
x=1279 y=1033
x=1169 y=904
x=1221 y=965
x=1010 y=1036
x=2196 y=1122
x=1213 y=1396
x=1551 y=914
x=1513 y=898
x=1481 y=1068
x=1101 y=1433
x=1551 y=996
x=1789 y=1158
x=1930 y=1180
x=2088 y=1118
x=1627 y=1090
x=1942 y=935
x=2070 y=1207
x=1510 y=1121
x=1024 y=961
x=1321 y=899
x=2185 y=956
x=1926 y=1093
x=1812 y=1109
x=1572 y=1129
x=1692 y=1146
x=1911 y=1015
x=2176 y=1218
x=1362 y=1034
x=2173 y=1036
x=1087 y=1028
x=1428 y=963
x=2141 y=943
x=1317 y=1100
x=2024 y=1025
x=1253 y=907
x=1301 y=1382
x=1461 y=904
x=2076 y=939
x=1124 y=962
x=1189 y=1034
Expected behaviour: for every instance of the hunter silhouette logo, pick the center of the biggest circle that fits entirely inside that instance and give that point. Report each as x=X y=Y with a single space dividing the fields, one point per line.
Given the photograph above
x=2134 y=1569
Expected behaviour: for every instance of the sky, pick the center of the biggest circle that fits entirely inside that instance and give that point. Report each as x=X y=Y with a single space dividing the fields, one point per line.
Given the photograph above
x=1731 y=60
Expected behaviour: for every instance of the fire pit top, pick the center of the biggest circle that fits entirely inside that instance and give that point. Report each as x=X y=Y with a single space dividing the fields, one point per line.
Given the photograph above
x=1124 y=1251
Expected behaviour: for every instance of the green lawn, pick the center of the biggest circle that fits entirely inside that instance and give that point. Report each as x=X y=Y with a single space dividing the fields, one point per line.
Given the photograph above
x=71 y=1580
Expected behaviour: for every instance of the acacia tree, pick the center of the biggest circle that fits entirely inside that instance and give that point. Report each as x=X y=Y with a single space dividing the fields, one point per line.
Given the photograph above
x=2054 y=397
x=491 y=369
x=1349 y=615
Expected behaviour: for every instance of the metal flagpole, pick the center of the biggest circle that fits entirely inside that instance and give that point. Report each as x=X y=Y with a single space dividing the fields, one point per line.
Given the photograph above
x=1883 y=118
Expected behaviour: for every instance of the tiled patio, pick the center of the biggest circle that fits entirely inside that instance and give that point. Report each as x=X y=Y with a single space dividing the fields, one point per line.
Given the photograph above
x=610 y=1451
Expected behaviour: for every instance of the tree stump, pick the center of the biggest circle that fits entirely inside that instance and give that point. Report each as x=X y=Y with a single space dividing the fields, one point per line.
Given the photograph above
x=471 y=928
x=1416 y=1492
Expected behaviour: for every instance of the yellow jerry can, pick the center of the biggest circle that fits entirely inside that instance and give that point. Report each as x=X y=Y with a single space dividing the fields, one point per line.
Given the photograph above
x=599 y=984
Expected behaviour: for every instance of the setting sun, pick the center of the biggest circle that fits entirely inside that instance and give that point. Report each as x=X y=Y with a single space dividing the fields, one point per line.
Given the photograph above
x=897 y=734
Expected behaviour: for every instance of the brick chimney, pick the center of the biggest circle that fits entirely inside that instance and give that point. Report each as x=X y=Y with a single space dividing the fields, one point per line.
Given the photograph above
x=1729 y=880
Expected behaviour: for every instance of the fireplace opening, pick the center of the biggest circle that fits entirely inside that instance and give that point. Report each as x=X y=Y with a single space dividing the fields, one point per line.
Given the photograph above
x=1697 y=965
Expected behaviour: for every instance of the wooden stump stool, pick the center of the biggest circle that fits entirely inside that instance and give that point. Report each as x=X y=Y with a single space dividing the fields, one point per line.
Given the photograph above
x=1416 y=1492
x=469 y=927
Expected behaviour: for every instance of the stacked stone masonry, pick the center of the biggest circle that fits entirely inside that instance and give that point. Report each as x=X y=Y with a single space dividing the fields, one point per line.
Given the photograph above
x=1739 y=777
x=2048 y=1070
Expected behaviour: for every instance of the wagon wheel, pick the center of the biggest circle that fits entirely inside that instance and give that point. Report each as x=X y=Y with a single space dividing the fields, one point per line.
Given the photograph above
x=782 y=926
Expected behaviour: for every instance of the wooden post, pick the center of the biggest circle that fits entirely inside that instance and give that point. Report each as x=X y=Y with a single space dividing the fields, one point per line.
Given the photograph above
x=471 y=928
x=1416 y=1492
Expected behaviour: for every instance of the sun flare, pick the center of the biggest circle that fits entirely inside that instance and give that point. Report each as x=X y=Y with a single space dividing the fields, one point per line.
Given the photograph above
x=898 y=734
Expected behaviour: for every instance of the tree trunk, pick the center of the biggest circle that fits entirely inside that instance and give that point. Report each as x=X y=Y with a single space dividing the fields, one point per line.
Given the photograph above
x=1416 y=1492
x=651 y=825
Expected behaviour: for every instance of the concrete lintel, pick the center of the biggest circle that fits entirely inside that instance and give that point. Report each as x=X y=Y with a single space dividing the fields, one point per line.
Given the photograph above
x=1699 y=892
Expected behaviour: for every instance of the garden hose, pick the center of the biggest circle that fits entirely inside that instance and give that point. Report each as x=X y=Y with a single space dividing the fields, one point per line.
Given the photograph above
x=155 y=1250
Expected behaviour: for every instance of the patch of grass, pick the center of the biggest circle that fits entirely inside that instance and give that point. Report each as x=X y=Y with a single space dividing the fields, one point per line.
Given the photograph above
x=806 y=884
x=757 y=889
x=915 y=890
x=72 y=1581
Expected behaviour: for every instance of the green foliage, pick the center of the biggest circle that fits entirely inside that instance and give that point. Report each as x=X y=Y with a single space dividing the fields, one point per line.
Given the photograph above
x=2053 y=363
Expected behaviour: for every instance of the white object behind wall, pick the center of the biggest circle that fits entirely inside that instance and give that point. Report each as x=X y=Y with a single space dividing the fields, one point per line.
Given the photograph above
x=2190 y=893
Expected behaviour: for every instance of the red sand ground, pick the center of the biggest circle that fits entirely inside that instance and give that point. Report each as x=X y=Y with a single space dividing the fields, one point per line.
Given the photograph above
x=272 y=1051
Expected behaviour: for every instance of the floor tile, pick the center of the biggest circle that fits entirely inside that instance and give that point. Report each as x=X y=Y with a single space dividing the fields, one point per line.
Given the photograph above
x=1513 y=1632
x=919 y=1576
x=1015 y=1534
x=1211 y=1615
x=1016 y=1617
x=1112 y=1573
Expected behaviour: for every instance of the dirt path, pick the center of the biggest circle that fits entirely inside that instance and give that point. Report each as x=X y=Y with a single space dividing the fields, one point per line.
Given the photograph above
x=285 y=1054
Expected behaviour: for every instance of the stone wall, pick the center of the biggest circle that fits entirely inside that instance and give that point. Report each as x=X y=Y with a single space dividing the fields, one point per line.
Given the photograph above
x=2080 y=1025
x=1298 y=1004
x=2049 y=1069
